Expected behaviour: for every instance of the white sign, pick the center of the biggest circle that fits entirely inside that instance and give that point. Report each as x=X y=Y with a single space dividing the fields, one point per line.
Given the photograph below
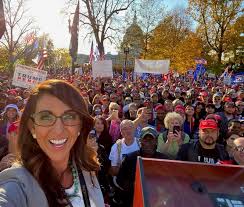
x=28 y=77
x=102 y=68
x=152 y=66
x=79 y=71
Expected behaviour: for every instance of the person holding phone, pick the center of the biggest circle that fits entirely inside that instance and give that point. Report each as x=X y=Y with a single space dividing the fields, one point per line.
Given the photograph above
x=170 y=141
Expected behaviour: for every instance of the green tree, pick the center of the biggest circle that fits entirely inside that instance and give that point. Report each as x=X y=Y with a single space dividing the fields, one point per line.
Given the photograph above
x=235 y=38
x=173 y=39
x=62 y=58
x=3 y=58
x=215 y=18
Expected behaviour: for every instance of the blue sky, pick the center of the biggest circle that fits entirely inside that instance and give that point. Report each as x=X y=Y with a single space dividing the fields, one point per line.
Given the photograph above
x=49 y=19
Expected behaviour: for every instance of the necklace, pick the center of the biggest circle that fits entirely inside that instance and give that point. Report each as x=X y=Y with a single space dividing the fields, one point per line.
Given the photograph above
x=75 y=180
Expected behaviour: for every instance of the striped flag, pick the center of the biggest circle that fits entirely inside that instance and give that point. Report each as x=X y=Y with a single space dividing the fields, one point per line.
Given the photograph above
x=74 y=30
x=96 y=54
x=91 y=58
x=124 y=74
x=42 y=58
x=30 y=38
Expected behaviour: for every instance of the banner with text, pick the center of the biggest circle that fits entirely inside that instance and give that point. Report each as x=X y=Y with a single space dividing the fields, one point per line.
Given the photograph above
x=102 y=68
x=28 y=77
x=152 y=66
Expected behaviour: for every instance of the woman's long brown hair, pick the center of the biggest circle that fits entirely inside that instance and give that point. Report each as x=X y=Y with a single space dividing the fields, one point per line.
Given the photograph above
x=31 y=155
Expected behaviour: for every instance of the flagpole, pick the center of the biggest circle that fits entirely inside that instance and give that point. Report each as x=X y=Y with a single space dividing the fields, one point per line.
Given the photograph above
x=74 y=30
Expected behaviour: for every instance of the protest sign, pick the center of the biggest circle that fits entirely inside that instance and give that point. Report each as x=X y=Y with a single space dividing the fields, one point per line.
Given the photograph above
x=28 y=77
x=238 y=78
x=152 y=66
x=79 y=71
x=190 y=73
x=102 y=68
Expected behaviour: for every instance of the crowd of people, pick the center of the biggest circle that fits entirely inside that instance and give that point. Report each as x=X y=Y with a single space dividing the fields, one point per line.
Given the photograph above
x=74 y=140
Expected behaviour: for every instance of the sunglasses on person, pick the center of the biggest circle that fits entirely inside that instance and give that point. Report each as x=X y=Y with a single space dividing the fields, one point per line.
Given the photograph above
x=47 y=118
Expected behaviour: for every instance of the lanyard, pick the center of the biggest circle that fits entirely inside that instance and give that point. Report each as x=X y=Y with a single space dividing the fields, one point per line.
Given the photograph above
x=84 y=189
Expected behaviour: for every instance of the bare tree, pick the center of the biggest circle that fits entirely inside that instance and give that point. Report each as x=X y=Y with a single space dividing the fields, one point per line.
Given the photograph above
x=18 y=26
x=150 y=13
x=100 y=18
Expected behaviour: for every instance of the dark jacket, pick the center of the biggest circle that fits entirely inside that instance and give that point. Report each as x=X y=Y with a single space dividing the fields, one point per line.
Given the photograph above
x=126 y=177
x=189 y=152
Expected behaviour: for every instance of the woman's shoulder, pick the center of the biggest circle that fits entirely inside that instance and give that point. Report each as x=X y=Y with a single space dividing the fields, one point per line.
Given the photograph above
x=186 y=137
x=162 y=136
x=93 y=187
x=17 y=183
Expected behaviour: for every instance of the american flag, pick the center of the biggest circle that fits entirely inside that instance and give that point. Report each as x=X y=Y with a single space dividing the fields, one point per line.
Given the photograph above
x=91 y=58
x=42 y=58
x=30 y=38
x=201 y=61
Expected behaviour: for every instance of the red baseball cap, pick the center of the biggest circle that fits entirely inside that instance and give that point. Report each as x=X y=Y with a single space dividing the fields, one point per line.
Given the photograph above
x=159 y=107
x=203 y=93
x=180 y=108
x=208 y=124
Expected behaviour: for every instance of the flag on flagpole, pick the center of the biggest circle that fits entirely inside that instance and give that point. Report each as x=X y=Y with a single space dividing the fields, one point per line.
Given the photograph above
x=225 y=73
x=35 y=47
x=30 y=38
x=124 y=74
x=2 y=20
x=91 y=58
x=96 y=54
x=74 y=30
x=41 y=57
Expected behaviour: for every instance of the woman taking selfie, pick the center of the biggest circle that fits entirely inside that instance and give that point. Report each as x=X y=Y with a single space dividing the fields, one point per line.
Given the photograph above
x=170 y=141
x=55 y=166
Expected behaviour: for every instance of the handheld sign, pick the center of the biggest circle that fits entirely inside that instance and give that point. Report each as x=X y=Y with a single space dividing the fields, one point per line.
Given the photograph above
x=102 y=69
x=28 y=77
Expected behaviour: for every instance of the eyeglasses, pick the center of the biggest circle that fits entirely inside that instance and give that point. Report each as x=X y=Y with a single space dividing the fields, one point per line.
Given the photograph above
x=239 y=149
x=47 y=118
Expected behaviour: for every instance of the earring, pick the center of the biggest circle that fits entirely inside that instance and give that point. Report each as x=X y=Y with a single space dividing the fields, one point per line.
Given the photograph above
x=34 y=136
x=78 y=133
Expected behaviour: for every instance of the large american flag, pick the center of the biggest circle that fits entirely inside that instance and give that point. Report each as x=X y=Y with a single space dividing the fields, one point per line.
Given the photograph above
x=91 y=57
x=41 y=59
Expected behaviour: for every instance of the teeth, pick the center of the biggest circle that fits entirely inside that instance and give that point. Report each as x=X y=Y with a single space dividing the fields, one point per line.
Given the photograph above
x=57 y=141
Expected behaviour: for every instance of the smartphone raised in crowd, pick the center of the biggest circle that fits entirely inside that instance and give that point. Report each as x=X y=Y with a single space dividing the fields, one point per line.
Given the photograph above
x=176 y=129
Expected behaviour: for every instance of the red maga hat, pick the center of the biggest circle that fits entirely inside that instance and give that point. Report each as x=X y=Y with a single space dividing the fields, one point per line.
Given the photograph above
x=180 y=108
x=159 y=107
x=208 y=124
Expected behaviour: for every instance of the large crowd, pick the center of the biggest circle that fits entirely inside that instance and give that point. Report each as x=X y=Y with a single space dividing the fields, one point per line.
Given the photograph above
x=174 y=118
